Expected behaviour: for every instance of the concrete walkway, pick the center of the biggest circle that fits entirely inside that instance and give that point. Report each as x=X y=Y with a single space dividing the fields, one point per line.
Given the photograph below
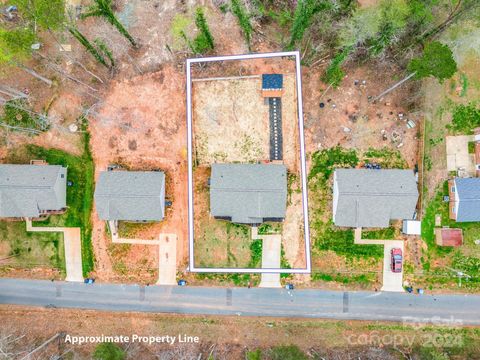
x=458 y=156
x=167 y=253
x=391 y=281
x=271 y=252
x=73 y=248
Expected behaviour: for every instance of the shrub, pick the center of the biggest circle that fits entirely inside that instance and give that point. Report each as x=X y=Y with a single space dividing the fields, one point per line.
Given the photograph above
x=288 y=352
x=108 y=351
x=465 y=118
x=243 y=19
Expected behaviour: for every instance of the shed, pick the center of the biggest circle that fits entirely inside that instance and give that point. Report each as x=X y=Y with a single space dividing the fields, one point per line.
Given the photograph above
x=448 y=237
x=272 y=85
x=412 y=227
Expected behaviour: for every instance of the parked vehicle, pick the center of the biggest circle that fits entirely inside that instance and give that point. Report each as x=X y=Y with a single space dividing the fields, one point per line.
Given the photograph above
x=396 y=260
x=182 y=283
x=289 y=287
x=89 y=280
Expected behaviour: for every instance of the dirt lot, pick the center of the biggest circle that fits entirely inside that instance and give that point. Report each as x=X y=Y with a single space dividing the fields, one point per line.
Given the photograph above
x=223 y=337
x=349 y=120
x=141 y=126
x=235 y=128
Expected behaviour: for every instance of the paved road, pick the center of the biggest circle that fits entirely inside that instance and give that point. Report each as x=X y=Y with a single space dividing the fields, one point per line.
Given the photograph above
x=244 y=302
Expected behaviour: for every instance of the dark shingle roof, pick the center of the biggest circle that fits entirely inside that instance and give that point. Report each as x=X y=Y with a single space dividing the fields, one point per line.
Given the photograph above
x=468 y=193
x=130 y=195
x=27 y=190
x=371 y=198
x=248 y=193
x=272 y=81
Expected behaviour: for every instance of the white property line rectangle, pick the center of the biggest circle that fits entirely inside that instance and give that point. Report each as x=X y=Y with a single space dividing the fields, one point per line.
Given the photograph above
x=192 y=267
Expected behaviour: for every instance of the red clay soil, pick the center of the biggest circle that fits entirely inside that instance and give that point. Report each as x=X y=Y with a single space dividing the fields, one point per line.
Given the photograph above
x=141 y=125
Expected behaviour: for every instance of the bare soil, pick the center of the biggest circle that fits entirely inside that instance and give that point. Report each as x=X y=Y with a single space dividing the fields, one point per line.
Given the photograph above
x=348 y=119
x=141 y=126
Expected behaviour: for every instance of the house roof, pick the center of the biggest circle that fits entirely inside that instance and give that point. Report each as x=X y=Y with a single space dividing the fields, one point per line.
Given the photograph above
x=130 y=195
x=371 y=198
x=27 y=190
x=272 y=81
x=248 y=193
x=412 y=227
x=468 y=195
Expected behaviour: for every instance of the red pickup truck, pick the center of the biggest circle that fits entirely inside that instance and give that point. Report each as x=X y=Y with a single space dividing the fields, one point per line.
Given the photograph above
x=396 y=260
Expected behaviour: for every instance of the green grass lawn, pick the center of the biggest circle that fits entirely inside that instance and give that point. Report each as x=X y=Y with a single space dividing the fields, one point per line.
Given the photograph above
x=29 y=249
x=79 y=196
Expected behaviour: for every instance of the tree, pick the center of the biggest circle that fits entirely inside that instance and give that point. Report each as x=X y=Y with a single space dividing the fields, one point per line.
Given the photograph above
x=334 y=73
x=108 y=351
x=15 y=47
x=204 y=40
x=240 y=12
x=98 y=49
x=437 y=61
x=103 y=8
x=375 y=26
x=302 y=18
x=46 y=14
x=205 y=35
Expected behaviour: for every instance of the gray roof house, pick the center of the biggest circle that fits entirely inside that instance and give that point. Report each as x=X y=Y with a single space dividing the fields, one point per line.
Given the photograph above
x=248 y=193
x=466 y=198
x=32 y=190
x=130 y=195
x=371 y=198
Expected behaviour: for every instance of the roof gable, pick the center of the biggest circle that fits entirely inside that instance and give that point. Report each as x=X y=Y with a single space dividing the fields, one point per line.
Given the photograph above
x=248 y=192
x=468 y=195
x=28 y=190
x=371 y=198
x=130 y=195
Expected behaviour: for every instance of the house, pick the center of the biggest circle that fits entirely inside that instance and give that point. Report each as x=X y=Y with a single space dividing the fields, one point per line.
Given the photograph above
x=137 y=196
x=372 y=198
x=248 y=193
x=464 y=194
x=476 y=145
x=272 y=85
x=30 y=191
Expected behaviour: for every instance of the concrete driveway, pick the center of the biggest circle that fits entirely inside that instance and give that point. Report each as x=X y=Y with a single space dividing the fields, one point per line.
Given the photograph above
x=167 y=259
x=73 y=249
x=458 y=156
x=271 y=252
x=391 y=281
x=167 y=253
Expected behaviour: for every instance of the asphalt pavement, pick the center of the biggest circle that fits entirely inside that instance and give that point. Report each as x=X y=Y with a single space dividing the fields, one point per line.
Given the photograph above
x=388 y=306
